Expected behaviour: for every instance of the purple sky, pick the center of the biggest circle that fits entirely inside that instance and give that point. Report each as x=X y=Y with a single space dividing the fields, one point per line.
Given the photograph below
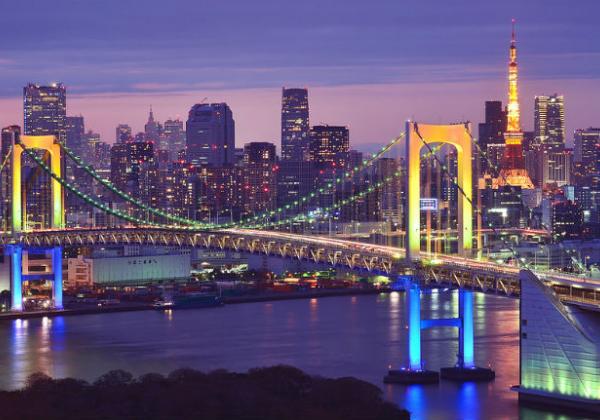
x=368 y=65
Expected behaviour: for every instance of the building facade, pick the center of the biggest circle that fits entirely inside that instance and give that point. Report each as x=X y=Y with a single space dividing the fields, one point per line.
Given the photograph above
x=210 y=135
x=549 y=123
x=294 y=124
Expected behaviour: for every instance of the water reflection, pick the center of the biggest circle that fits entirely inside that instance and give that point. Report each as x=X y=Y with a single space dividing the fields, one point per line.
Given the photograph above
x=468 y=401
x=337 y=336
x=415 y=401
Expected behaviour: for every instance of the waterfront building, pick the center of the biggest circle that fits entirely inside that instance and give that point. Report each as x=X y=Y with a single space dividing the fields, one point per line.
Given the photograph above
x=210 y=135
x=559 y=350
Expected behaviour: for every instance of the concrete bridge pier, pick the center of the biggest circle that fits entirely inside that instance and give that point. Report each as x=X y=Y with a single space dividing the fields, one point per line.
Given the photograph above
x=465 y=369
x=18 y=275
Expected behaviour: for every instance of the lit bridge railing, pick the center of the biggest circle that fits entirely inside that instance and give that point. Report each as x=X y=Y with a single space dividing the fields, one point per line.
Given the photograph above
x=447 y=269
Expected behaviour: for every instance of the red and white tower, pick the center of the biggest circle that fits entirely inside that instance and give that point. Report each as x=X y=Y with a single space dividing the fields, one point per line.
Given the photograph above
x=513 y=170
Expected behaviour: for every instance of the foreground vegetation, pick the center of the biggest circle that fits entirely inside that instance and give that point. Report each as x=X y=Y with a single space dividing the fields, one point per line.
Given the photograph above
x=278 y=393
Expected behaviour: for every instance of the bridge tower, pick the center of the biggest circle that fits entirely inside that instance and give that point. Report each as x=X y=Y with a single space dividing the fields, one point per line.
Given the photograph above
x=19 y=217
x=417 y=137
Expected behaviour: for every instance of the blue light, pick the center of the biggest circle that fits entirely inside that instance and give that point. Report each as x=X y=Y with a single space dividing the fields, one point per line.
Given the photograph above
x=466 y=313
x=414 y=326
x=57 y=289
x=16 y=256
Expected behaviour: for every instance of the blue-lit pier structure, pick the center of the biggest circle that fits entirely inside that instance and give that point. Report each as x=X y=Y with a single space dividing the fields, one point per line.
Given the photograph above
x=19 y=273
x=559 y=350
x=465 y=368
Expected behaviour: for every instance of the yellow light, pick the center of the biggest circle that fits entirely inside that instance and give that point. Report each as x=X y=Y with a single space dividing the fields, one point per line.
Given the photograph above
x=48 y=144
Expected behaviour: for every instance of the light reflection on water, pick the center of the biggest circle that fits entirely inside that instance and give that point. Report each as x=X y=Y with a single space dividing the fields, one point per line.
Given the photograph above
x=338 y=336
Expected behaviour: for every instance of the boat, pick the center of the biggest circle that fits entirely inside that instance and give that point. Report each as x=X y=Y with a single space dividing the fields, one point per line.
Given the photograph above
x=189 y=301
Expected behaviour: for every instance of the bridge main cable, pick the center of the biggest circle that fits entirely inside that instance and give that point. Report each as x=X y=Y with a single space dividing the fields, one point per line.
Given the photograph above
x=86 y=197
x=338 y=204
x=347 y=174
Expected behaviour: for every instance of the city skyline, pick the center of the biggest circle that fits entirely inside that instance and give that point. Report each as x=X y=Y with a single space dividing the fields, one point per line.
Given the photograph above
x=354 y=73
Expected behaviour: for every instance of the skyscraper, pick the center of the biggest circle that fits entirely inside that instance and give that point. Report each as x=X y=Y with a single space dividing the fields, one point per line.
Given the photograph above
x=329 y=146
x=294 y=124
x=123 y=133
x=587 y=144
x=174 y=137
x=134 y=169
x=513 y=170
x=491 y=133
x=210 y=135
x=45 y=110
x=550 y=123
x=75 y=129
x=259 y=183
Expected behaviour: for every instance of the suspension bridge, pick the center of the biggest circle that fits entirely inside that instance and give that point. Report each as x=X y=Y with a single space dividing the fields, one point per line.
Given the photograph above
x=263 y=234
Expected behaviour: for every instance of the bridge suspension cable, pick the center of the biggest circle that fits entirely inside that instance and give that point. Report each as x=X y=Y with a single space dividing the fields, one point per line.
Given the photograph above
x=336 y=205
x=5 y=161
x=86 y=197
x=347 y=174
x=106 y=183
x=323 y=190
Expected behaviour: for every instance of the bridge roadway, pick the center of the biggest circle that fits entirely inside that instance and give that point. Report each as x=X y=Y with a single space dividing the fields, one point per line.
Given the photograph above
x=438 y=269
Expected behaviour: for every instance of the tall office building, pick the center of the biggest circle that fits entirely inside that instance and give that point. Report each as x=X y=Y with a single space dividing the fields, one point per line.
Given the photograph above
x=513 y=170
x=75 y=129
x=210 y=135
x=123 y=133
x=259 y=183
x=557 y=168
x=550 y=123
x=295 y=139
x=491 y=133
x=567 y=220
x=329 y=146
x=45 y=110
x=587 y=147
x=173 y=137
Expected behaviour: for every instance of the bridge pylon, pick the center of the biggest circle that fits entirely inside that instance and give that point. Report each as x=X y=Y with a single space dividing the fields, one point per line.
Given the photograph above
x=417 y=137
x=19 y=272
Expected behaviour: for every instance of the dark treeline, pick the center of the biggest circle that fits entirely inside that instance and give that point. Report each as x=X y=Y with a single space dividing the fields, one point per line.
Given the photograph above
x=278 y=393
